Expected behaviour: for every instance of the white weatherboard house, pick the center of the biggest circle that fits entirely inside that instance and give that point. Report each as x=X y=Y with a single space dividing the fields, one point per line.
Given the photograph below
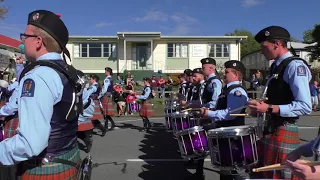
x=149 y=51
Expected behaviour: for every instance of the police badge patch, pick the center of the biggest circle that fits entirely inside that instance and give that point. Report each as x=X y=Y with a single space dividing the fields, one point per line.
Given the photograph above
x=301 y=71
x=28 y=88
x=237 y=93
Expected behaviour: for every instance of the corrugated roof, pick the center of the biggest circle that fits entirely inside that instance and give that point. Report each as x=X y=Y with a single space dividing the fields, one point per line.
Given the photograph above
x=7 y=41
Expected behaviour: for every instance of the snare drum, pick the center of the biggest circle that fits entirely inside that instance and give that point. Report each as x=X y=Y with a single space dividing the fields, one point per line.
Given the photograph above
x=182 y=121
x=193 y=142
x=233 y=148
x=134 y=107
x=168 y=122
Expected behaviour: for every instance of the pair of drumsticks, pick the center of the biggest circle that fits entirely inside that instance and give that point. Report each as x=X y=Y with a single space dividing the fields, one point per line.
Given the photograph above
x=282 y=166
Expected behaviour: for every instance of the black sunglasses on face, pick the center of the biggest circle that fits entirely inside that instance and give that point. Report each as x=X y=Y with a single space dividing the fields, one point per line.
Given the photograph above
x=23 y=37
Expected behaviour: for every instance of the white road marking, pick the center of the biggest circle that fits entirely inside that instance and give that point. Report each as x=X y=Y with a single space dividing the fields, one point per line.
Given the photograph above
x=307 y=127
x=160 y=160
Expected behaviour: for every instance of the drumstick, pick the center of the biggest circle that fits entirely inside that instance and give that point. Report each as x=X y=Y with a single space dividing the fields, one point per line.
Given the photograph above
x=282 y=166
x=239 y=114
x=237 y=109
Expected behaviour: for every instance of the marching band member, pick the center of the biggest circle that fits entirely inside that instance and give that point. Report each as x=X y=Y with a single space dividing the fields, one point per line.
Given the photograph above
x=304 y=172
x=106 y=93
x=199 y=87
x=233 y=96
x=94 y=82
x=45 y=98
x=11 y=107
x=213 y=83
x=288 y=98
x=85 y=126
x=183 y=85
x=146 y=109
x=188 y=74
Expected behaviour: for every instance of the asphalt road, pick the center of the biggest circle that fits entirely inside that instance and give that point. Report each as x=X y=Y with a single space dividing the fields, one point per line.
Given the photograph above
x=128 y=154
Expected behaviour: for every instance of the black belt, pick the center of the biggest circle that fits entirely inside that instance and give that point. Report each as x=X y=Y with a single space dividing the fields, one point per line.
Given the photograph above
x=88 y=104
x=275 y=121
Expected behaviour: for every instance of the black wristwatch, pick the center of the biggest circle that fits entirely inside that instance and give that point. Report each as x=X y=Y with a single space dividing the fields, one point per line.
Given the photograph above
x=270 y=108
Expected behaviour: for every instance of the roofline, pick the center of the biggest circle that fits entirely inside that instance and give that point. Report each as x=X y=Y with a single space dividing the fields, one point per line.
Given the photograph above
x=204 y=37
x=162 y=37
x=9 y=46
x=139 y=33
x=93 y=37
x=300 y=49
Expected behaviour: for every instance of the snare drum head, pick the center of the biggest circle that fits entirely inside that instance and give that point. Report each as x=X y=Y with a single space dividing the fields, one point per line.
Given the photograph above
x=178 y=114
x=232 y=130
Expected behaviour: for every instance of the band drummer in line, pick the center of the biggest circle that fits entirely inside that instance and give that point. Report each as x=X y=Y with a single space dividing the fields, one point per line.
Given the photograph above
x=232 y=97
x=288 y=98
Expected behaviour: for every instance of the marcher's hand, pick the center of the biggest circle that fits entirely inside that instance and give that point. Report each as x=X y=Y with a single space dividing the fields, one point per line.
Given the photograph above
x=295 y=154
x=204 y=111
x=304 y=172
x=19 y=60
x=258 y=106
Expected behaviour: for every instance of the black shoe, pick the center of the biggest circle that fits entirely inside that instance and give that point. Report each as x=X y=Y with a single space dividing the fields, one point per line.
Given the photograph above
x=103 y=132
x=196 y=176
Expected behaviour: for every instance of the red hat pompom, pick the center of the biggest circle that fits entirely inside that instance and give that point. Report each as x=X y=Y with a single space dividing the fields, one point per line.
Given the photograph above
x=58 y=15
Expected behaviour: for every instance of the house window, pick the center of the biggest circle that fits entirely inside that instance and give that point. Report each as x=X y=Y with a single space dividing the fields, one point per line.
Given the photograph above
x=219 y=50
x=177 y=50
x=84 y=49
x=109 y=50
x=95 y=50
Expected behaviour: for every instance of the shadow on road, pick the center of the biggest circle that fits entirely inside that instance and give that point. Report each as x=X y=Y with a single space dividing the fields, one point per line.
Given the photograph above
x=159 y=144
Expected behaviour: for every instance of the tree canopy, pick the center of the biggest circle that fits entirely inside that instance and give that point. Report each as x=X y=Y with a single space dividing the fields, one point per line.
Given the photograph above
x=248 y=45
x=315 y=36
x=3 y=10
x=307 y=35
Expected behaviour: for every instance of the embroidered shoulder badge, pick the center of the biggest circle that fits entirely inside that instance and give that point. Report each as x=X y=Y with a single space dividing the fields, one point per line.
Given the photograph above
x=28 y=88
x=214 y=85
x=237 y=93
x=301 y=71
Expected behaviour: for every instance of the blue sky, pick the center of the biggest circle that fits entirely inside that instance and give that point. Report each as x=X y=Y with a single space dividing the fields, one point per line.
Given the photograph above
x=170 y=17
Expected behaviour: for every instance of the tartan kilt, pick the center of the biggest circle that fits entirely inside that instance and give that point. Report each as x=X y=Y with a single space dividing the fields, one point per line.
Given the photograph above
x=2 y=103
x=97 y=111
x=146 y=109
x=274 y=148
x=107 y=104
x=34 y=170
x=85 y=126
x=10 y=127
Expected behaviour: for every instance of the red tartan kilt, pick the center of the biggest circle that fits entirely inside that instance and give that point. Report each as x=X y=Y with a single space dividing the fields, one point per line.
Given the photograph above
x=107 y=105
x=97 y=111
x=274 y=148
x=2 y=103
x=10 y=128
x=147 y=109
x=85 y=126
x=70 y=174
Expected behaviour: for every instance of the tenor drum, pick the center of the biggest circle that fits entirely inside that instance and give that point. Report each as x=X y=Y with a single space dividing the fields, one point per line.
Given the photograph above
x=233 y=148
x=182 y=121
x=193 y=142
x=133 y=106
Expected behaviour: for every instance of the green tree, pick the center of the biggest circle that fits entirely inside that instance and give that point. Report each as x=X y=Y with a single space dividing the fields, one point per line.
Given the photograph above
x=3 y=10
x=247 y=46
x=315 y=49
x=307 y=35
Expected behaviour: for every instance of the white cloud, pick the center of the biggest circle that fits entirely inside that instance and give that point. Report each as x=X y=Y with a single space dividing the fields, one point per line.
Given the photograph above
x=176 y=23
x=153 y=16
x=103 y=24
x=250 y=3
